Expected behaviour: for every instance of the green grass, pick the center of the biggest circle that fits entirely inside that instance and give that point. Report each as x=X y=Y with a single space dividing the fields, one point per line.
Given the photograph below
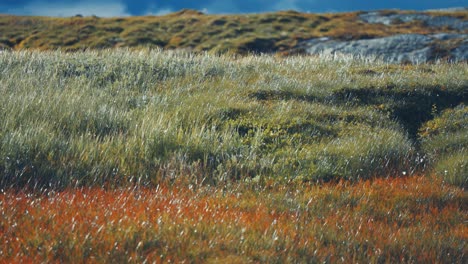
x=445 y=140
x=191 y=30
x=119 y=117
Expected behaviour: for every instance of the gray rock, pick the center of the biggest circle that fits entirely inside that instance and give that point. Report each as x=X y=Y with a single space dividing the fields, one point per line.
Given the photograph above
x=412 y=48
x=431 y=21
x=460 y=53
x=448 y=36
x=450 y=9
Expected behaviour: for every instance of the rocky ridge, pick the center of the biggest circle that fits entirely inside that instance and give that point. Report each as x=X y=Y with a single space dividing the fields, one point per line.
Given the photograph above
x=404 y=48
x=400 y=48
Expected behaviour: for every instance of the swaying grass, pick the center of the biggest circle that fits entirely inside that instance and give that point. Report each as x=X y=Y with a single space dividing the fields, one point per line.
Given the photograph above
x=120 y=156
x=445 y=138
x=118 y=117
x=404 y=220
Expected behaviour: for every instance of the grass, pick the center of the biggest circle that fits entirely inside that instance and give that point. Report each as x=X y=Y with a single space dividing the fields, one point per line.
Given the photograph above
x=192 y=30
x=127 y=156
x=445 y=139
x=113 y=117
x=415 y=219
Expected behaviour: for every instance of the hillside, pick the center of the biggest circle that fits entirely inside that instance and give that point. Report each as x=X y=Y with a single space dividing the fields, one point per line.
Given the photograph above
x=119 y=156
x=285 y=32
x=109 y=117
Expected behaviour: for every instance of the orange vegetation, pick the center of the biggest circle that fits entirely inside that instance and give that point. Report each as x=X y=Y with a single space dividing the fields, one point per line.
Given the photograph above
x=414 y=219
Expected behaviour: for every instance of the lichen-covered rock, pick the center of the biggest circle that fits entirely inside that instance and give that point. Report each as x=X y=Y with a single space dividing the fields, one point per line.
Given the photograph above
x=412 y=48
x=427 y=19
x=461 y=52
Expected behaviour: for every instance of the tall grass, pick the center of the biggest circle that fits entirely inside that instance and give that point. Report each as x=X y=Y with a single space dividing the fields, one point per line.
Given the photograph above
x=118 y=117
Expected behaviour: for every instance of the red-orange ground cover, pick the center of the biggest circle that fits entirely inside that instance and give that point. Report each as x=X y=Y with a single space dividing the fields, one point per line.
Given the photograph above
x=414 y=219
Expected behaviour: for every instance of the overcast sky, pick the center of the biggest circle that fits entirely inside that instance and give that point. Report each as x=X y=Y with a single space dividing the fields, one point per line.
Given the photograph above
x=109 y=8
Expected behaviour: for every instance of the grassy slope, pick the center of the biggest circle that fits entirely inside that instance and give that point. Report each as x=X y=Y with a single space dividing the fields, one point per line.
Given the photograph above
x=178 y=120
x=117 y=116
x=192 y=30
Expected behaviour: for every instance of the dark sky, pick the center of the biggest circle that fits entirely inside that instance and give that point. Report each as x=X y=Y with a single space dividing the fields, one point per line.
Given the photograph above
x=108 y=8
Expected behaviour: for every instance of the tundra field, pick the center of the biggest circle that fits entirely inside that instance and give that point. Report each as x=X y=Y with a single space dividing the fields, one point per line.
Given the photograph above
x=170 y=156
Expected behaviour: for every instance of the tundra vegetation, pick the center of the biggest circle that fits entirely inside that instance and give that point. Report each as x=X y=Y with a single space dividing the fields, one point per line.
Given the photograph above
x=120 y=155
x=192 y=30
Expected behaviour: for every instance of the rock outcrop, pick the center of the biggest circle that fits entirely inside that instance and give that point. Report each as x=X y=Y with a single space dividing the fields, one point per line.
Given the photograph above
x=401 y=48
x=428 y=20
x=412 y=48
